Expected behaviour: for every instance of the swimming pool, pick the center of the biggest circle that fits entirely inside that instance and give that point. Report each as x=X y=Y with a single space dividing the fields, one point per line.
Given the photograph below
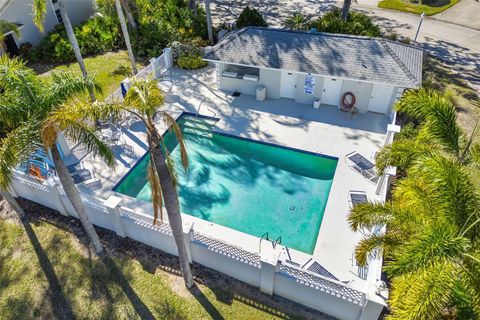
x=246 y=185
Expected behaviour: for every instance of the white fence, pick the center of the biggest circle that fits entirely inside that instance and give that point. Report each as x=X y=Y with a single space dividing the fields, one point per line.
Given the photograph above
x=299 y=285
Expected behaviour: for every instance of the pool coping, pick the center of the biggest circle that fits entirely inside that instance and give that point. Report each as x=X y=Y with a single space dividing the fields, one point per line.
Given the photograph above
x=186 y=113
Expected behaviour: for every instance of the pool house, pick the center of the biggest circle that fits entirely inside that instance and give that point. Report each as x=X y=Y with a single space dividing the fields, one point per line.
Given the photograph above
x=316 y=68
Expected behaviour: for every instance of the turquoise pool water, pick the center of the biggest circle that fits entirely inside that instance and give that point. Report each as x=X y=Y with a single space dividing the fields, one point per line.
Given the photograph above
x=248 y=186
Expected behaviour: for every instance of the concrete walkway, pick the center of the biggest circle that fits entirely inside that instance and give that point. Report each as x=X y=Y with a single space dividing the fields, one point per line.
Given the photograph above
x=457 y=46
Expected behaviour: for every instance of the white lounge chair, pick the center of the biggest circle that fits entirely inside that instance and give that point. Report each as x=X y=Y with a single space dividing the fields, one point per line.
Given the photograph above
x=356 y=197
x=362 y=165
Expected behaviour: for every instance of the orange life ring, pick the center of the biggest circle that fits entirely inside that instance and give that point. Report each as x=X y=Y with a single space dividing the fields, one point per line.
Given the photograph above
x=348 y=102
x=36 y=172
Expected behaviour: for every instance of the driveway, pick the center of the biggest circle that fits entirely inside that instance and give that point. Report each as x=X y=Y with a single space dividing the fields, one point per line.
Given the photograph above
x=457 y=46
x=465 y=13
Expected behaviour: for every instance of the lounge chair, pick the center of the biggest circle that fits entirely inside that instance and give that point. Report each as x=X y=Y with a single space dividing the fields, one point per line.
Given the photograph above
x=362 y=165
x=356 y=197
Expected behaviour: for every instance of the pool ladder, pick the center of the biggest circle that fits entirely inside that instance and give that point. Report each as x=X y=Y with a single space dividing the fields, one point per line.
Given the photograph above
x=265 y=236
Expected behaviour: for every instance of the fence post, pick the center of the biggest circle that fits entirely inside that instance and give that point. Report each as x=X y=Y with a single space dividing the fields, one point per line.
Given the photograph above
x=167 y=55
x=54 y=189
x=373 y=306
x=188 y=238
x=384 y=179
x=113 y=208
x=269 y=263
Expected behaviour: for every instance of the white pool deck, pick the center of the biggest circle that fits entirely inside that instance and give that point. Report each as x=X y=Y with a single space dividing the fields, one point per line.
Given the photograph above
x=325 y=130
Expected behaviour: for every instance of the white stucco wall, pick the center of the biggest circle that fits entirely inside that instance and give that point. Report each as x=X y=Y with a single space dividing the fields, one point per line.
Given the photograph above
x=361 y=90
x=267 y=78
x=20 y=11
x=300 y=95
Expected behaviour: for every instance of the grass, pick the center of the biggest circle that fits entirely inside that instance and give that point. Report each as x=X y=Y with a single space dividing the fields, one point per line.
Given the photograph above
x=400 y=5
x=109 y=70
x=46 y=272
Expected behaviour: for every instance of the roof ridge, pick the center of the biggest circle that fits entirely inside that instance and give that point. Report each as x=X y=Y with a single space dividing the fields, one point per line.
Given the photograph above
x=329 y=34
x=397 y=59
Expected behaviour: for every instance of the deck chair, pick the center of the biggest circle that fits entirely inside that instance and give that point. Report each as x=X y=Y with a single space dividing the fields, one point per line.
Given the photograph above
x=362 y=165
x=356 y=197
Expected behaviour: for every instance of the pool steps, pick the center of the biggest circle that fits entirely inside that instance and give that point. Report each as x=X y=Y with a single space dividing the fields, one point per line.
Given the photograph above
x=199 y=126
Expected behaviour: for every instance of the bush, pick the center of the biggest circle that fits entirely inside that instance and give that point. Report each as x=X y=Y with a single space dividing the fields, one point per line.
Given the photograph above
x=95 y=36
x=250 y=17
x=161 y=22
x=191 y=62
x=356 y=24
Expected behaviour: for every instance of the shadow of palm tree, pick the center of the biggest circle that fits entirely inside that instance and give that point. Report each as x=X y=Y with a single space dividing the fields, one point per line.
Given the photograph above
x=140 y=307
x=206 y=304
x=60 y=305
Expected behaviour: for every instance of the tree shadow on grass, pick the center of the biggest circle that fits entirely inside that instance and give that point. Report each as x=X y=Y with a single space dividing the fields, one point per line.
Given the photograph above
x=140 y=307
x=206 y=304
x=60 y=305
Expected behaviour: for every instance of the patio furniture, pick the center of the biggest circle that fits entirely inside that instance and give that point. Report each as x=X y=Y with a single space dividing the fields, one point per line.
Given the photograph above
x=356 y=197
x=111 y=135
x=82 y=176
x=362 y=165
x=315 y=267
x=127 y=149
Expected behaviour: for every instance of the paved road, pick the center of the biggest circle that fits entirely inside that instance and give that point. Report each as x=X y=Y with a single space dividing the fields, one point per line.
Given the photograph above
x=457 y=46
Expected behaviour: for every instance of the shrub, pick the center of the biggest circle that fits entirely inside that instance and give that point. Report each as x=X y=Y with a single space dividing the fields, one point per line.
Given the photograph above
x=95 y=36
x=356 y=24
x=191 y=62
x=250 y=17
x=297 y=21
x=161 y=22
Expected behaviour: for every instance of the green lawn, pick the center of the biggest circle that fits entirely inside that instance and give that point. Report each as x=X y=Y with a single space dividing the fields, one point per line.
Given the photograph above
x=109 y=70
x=46 y=272
x=415 y=8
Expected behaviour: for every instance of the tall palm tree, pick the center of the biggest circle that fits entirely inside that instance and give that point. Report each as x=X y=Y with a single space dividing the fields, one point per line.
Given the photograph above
x=431 y=243
x=346 y=9
x=39 y=9
x=37 y=112
x=126 y=36
x=209 y=21
x=128 y=13
x=144 y=100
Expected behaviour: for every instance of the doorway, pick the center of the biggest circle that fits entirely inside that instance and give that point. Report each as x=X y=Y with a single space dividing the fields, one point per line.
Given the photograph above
x=11 y=45
x=288 y=84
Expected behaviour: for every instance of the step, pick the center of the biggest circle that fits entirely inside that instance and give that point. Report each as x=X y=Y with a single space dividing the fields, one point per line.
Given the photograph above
x=198 y=127
x=200 y=133
x=200 y=120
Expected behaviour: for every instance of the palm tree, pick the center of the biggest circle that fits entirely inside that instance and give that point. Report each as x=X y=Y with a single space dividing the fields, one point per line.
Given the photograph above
x=192 y=5
x=36 y=113
x=39 y=9
x=431 y=243
x=209 y=21
x=144 y=101
x=126 y=36
x=128 y=13
x=346 y=9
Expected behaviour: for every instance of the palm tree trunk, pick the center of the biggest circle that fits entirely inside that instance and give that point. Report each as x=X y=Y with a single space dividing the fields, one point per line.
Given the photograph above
x=7 y=196
x=73 y=196
x=346 y=9
x=173 y=207
x=74 y=43
x=126 y=36
x=209 y=21
x=128 y=14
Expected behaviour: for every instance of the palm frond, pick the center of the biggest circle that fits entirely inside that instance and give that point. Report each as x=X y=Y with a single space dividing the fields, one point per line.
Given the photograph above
x=145 y=96
x=422 y=295
x=64 y=86
x=15 y=148
x=6 y=26
x=156 y=189
x=16 y=78
x=439 y=244
x=368 y=215
x=39 y=9
x=173 y=125
x=369 y=246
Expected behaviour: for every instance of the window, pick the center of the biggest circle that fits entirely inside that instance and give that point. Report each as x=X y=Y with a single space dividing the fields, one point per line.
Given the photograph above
x=59 y=16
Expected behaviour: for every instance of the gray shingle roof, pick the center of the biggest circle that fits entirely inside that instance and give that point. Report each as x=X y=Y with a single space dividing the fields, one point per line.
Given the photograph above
x=346 y=56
